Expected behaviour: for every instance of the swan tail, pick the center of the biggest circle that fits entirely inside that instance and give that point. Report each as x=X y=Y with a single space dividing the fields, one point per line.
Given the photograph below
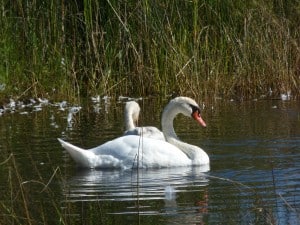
x=82 y=157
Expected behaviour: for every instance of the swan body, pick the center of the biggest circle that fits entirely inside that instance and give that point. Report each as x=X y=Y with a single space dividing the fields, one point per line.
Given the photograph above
x=122 y=153
x=137 y=151
x=131 y=116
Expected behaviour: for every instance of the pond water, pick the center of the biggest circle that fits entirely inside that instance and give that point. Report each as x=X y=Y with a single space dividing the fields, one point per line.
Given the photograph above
x=254 y=178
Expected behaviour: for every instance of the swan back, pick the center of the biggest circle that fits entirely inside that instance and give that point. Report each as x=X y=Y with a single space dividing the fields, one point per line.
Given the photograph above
x=131 y=115
x=128 y=152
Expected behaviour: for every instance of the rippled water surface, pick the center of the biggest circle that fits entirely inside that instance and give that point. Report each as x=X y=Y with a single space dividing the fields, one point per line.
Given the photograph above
x=254 y=178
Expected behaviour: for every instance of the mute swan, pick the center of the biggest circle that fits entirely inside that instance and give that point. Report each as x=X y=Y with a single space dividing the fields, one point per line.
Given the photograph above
x=131 y=116
x=134 y=151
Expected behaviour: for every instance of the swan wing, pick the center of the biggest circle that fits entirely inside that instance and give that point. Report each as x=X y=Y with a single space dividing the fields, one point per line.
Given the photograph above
x=88 y=159
x=128 y=152
x=148 y=132
x=150 y=152
x=80 y=156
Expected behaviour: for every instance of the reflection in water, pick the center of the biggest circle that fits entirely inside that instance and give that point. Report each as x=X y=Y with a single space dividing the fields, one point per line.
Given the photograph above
x=139 y=187
x=262 y=183
x=255 y=144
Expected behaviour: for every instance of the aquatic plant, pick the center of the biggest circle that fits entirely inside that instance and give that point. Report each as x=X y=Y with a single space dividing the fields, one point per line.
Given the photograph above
x=203 y=48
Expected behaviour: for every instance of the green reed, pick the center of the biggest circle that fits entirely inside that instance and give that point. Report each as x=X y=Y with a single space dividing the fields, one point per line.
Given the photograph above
x=28 y=201
x=203 y=48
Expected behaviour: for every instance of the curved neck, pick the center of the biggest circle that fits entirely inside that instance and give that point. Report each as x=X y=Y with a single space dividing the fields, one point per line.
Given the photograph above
x=129 y=124
x=129 y=118
x=131 y=115
x=196 y=154
x=167 y=119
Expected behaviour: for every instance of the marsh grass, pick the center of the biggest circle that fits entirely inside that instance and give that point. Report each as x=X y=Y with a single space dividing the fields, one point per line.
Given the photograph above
x=27 y=201
x=202 y=48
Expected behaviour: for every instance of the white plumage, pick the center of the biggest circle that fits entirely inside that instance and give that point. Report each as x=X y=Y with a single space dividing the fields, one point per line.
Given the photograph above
x=131 y=116
x=131 y=151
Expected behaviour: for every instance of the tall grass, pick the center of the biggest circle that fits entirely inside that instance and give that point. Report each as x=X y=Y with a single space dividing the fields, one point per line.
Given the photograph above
x=26 y=201
x=202 y=48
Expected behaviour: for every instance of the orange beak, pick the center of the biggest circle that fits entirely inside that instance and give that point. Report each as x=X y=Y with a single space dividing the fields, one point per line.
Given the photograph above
x=196 y=115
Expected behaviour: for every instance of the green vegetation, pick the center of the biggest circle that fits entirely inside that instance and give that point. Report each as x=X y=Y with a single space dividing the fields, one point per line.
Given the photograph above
x=209 y=48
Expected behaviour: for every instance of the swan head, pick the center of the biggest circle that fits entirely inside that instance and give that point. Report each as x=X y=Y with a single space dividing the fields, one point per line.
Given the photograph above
x=189 y=108
x=196 y=114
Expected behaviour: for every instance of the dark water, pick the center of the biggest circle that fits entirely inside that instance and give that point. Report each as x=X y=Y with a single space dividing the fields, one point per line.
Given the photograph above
x=253 y=179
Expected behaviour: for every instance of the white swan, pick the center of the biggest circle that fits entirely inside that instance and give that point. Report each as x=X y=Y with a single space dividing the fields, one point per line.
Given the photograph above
x=131 y=116
x=134 y=151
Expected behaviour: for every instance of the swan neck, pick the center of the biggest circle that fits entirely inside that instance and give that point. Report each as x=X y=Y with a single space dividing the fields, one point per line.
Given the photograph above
x=129 y=124
x=196 y=154
x=168 y=117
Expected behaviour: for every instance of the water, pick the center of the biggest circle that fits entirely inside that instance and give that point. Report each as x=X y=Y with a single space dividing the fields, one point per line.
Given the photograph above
x=253 y=178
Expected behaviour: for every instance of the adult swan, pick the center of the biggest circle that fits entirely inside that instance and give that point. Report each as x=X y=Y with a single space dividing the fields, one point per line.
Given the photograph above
x=131 y=151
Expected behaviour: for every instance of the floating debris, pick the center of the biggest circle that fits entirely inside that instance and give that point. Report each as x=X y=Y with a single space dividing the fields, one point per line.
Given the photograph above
x=96 y=99
x=1 y=111
x=11 y=105
x=24 y=113
x=43 y=101
x=70 y=117
x=2 y=87
x=62 y=61
x=106 y=99
x=73 y=110
x=286 y=96
x=125 y=98
x=52 y=118
x=37 y=109
x=62 y=105
x=106 y=103
x=97 y=108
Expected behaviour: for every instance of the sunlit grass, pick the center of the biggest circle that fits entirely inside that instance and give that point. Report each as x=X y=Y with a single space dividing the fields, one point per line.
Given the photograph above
x=203 y=48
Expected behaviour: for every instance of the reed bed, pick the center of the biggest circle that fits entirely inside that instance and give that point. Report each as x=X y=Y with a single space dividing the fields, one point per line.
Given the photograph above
x=229 y=49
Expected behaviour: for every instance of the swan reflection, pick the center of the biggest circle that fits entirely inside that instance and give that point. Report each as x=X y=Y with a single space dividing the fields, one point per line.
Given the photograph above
x=138 y=190
x=89 y=185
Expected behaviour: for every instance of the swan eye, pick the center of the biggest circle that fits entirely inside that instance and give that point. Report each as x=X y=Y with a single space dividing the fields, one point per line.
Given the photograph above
x=197 y=116
x=195 y=109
